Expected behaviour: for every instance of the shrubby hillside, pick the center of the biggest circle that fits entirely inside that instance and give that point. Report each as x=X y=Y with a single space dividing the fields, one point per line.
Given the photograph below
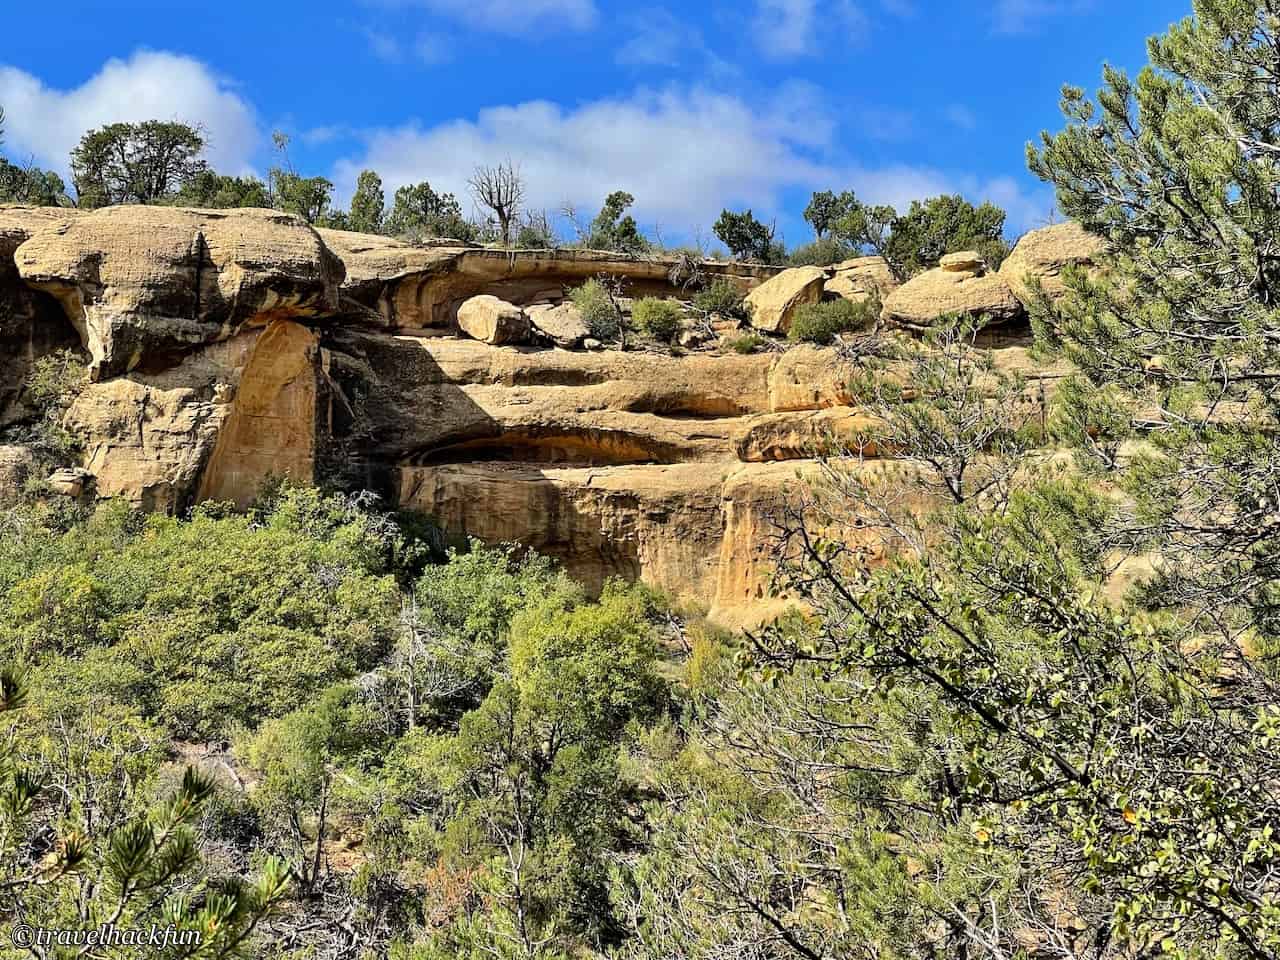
x=1018 y=696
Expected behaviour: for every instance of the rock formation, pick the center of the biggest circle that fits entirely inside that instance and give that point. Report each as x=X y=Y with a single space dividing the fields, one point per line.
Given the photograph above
x=959 y=286
x=860 y=278
x=773 y=304
x=494 y=321
x=230 y=346
x=146 y=285
x=1044 y=253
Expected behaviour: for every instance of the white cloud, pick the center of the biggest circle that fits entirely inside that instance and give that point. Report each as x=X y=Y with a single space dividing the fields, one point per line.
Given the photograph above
x=45 y=123
x=433 y=48
x=383 y=45
x=509 y=16
x=428 y=48
x=684 y=153
x=658 y=38
x=786 y=29
x=1023 y=16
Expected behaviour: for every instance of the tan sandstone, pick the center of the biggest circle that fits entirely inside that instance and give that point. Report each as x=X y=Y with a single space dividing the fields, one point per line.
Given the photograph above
x=773 y=304
x=861 y=278
x=144 y=285
x=1043 y=254
x=561 y=323
x=959 y=288
x=493 y=321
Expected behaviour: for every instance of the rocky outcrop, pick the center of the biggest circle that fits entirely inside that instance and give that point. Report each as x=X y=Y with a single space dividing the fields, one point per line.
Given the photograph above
x=1042 y=255
x=772 y=305
x=232 y=346
x=959 y=286
x=406 y=286
x=146 y=285
x=861 y=278
x=32 y=324
x=493 y=321
x=562 y=324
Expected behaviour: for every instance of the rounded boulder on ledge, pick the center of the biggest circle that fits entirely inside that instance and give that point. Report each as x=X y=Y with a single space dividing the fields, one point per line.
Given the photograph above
x=773 y=305
x=493 y=320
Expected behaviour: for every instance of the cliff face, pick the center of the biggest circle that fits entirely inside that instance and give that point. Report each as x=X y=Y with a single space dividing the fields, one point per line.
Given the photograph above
x=229 y=346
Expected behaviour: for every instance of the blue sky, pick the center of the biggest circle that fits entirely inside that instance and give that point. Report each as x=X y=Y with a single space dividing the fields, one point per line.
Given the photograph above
x=691 y=107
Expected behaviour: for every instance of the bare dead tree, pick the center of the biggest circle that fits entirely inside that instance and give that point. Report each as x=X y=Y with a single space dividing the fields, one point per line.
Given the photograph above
x=500 y=189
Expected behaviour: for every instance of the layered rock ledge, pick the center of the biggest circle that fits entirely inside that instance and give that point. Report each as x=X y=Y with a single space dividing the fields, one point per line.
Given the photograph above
x=226 y=347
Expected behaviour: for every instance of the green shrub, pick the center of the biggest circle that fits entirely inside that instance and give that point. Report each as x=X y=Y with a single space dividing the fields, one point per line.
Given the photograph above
x=821 y=253
x=748 y=343
x=720 y=297
x=598 y=310
x=820 y=322
x=657 y=318
x=51 y=386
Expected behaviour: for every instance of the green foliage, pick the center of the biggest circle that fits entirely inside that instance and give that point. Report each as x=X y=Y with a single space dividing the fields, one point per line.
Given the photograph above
x=747 y=238
x=536 y=232
x=611 y=230
x=947 y=409
x=914 y=241
x=599 y=310
x=367 y=204
x=31 y=185
x=748 y=343
x=305 y=197
x=80 y=845
x=822 y=322
x=417 y=211
x=530 y=781
x=826 y=209
x=229 y=620
x=147 y=162
x=942 y=225
x=822 y=253
x=720 y=297
x=867 y=228
x=1176 y=337
x=219 y=191
x=657 y=318
x=52 y=384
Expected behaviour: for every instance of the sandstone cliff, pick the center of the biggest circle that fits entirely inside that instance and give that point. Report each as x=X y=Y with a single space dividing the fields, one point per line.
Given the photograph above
x=229 y=346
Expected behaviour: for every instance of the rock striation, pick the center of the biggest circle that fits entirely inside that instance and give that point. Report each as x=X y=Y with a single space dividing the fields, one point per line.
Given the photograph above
x=227 y=347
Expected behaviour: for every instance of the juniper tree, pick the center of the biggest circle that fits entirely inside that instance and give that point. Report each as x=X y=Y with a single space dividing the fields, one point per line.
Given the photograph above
x=419 y=211
x=368 y=203
x=144 y=162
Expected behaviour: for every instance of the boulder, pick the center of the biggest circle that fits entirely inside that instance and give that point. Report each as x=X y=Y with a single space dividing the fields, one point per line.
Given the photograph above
x=1042 y=255
x=492 y=320
x=960 y=286
x=563 y=324
x=773 y=304
x=146 y=285
x=965 y=261
x=16 y=464
x=70 y=482
x=861 y=278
